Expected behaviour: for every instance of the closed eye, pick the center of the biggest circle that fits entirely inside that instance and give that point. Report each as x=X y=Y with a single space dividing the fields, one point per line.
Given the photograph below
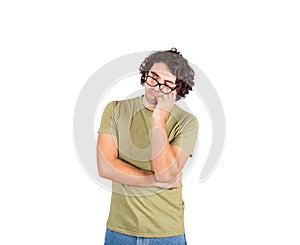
x=156 y=76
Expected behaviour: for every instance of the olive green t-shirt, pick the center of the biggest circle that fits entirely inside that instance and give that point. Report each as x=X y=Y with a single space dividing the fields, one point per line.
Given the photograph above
x=145 y=211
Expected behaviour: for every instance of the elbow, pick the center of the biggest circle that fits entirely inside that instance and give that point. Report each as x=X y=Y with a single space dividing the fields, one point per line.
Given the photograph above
x=101 y=172
x=168 y=174
x=103 y=165
x=164 y=177
x=102 y=169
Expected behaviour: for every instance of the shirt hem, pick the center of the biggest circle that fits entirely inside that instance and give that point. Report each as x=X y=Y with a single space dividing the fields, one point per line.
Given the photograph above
x=141 y=234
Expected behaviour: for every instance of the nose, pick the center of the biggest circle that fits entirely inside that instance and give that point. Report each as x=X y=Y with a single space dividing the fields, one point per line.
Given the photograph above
x=156 y=89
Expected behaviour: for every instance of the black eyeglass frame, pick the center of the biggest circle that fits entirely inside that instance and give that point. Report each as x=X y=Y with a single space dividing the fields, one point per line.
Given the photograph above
x=160 y=84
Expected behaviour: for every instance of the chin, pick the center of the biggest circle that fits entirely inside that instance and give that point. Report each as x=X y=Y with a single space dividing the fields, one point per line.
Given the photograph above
x=151 y=100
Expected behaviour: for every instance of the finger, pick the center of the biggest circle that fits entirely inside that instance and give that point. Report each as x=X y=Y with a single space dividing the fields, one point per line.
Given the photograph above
x=172 y=96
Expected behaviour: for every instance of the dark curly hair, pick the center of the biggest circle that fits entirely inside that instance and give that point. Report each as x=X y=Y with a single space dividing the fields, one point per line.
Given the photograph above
x=177 y=64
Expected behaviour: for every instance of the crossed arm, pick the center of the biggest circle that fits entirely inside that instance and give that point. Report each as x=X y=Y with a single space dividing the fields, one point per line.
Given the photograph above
x=110 y=167
x=167 y=159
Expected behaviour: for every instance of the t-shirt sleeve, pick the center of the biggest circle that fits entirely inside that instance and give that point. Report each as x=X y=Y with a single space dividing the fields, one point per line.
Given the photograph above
x=108 y=121
x=187 y=135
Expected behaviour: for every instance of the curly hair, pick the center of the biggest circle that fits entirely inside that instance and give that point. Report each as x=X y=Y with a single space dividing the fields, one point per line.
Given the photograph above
x=177 y=64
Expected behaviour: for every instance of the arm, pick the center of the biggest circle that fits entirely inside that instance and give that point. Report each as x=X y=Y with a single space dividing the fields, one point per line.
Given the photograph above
x=110 y=167
x=167 y=160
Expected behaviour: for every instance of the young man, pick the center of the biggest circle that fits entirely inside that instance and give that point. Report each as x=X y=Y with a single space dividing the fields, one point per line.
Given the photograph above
x=143 y=144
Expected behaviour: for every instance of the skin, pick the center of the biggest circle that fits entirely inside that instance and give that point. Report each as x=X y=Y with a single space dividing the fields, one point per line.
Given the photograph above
x=167 y=160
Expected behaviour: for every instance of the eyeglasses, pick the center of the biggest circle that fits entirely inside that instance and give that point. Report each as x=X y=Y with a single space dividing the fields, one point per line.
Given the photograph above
x=151 y=81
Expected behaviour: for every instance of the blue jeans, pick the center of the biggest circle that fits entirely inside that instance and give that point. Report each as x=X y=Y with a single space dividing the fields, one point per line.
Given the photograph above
x=116 y=238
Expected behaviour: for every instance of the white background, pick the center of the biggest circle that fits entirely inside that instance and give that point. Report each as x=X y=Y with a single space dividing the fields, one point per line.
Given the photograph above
x=249 y=50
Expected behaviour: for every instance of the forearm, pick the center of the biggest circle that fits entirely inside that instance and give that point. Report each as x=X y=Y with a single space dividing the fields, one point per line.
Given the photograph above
x=124 y=173
x=110 y=167
x=164 y=161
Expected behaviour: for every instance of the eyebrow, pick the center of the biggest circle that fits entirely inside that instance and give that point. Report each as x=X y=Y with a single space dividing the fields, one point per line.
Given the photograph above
x=168 y=81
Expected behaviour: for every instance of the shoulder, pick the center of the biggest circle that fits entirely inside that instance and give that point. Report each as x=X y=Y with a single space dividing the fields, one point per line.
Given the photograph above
x=183 y=116
x=124 y=106
x=125 y=102
x=117 y=103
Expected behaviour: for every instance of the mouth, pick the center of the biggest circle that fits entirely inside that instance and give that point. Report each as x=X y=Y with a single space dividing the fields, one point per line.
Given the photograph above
x=153 y=94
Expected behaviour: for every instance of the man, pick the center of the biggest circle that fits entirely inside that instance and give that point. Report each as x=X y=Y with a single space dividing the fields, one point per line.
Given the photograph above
x=143 y=144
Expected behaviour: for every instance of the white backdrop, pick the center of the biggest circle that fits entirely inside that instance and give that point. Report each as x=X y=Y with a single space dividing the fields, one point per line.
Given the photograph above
x=248 y=49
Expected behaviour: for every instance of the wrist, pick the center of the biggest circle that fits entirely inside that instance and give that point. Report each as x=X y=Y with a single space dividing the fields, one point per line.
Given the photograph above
x=160 y=115
x=149 y=177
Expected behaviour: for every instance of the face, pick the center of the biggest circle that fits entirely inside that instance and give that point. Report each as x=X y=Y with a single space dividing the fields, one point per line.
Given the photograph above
x=161 y=72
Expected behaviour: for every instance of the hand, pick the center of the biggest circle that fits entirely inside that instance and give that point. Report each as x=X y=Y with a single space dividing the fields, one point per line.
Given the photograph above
x=164 y=105
x=174 y=183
